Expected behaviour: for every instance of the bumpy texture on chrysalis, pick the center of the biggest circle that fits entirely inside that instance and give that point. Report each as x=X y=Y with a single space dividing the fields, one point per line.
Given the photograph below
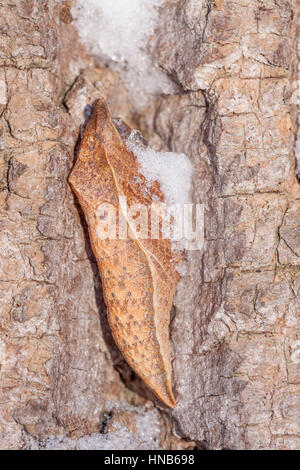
x=138 y=275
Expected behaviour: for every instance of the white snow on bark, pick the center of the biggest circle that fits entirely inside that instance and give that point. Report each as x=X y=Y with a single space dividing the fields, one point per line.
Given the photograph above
x=172 y=170
x=117 y=33
x=146 y=435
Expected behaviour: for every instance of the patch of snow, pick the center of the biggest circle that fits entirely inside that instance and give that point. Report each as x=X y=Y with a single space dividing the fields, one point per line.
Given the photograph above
x=172 y=170
x=146 y=436
x=117 y=33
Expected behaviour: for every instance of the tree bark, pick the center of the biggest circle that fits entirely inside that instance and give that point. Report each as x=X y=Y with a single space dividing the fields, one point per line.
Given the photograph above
x=235 y=329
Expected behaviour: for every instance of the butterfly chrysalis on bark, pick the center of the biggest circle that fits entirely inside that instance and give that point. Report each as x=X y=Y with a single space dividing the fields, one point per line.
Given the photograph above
x=138 y=274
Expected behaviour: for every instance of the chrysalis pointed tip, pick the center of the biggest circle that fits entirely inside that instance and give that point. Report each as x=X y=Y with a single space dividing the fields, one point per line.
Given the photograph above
x=167 y=398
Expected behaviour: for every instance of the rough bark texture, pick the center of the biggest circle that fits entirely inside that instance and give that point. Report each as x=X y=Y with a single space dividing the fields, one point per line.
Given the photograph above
x=237 y=363
x=235 y=330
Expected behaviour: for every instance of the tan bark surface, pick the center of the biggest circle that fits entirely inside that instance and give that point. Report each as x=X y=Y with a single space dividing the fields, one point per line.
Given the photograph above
x=56 y=371
x=235 y=330
x=236 y=325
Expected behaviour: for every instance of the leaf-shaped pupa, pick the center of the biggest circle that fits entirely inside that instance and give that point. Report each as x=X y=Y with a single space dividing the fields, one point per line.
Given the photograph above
x=138 y=276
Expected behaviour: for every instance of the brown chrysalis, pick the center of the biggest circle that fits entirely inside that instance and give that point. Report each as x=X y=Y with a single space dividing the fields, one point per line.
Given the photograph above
x=138 y=274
